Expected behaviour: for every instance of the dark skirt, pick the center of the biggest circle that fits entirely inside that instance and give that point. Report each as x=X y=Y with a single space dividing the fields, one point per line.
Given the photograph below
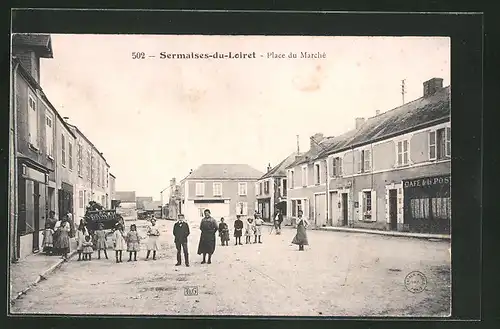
x=301 y=236
x=207 y=243
x=237 y=233
x=224 y=235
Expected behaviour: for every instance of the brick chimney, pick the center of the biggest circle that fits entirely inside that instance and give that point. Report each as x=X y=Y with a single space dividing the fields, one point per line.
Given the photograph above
x=315 y=140
x=268 y=167
x=432 y=86
x=359 y=122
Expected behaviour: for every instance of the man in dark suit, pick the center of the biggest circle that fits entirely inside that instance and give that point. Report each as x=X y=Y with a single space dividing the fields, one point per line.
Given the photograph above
x=181 y=233
x=278 y=219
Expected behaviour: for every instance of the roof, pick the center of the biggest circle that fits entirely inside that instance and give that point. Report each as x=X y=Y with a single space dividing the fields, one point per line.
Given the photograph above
x=112 y=175
x=410 y=116
x=225 y=171
x=152 y=205
x=88 y=141
x=312 y=153
x=279 y=169
x=40 y=43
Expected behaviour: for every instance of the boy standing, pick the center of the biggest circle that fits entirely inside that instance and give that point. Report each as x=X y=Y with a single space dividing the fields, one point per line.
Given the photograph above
x=181 y=233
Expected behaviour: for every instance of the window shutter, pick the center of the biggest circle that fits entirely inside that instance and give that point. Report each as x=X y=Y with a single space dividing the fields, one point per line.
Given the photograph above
x=360 y=161
x=339 y=166
x=374 y=206
x=368 y=158
x=448 y=141
x=432 y=145
x=360 y=206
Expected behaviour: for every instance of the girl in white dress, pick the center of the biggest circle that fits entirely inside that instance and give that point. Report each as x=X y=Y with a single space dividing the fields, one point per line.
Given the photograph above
x=152 y=244
x=119 y=242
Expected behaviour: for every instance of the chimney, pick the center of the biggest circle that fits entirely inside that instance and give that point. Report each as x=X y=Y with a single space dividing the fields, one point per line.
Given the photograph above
x=359 y=122
x=432 y=86
x=315 y=140
x=268 y=167
x=190 y=171
x=377 y=112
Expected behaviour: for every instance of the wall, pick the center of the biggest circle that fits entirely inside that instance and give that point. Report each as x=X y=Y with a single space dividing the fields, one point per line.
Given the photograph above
x=229 y=190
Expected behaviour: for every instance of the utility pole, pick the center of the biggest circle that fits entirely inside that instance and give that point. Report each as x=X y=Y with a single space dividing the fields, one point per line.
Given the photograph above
x=403 y=90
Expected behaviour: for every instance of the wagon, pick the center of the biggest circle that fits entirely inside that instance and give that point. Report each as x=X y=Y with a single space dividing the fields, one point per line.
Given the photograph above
x=109 y=219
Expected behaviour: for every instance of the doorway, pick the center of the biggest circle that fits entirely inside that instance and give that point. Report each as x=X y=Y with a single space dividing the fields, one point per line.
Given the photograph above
x=334 y=209
x=36 y=217
x=319 y=210
x=393 y=209
x=344 y=209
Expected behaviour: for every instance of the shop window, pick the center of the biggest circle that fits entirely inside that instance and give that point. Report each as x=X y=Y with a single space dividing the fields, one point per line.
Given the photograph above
x=420 y=208
x=367 y=205
x=441 y=208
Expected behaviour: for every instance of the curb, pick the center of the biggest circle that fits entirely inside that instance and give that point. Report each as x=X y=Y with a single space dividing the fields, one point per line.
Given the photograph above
x=42 y=276
x=387 y=233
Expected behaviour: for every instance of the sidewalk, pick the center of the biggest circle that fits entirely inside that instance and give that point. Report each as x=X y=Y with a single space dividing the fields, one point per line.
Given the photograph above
x=30 y=270
x=389 y=233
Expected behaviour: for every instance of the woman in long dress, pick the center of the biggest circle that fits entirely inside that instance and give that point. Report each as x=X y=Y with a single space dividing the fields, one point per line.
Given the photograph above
x=208 y=227
x=301 y=236
x=63 y=238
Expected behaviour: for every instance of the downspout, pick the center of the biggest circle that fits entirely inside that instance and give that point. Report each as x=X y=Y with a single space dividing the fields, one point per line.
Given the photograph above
x=327 y=193
x=13 y=113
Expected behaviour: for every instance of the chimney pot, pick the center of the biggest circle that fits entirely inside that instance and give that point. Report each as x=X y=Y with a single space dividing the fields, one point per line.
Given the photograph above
x=359 y=122
x=432 y=86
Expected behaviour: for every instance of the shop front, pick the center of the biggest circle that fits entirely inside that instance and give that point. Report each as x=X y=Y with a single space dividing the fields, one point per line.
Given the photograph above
x=264 y=208
x=427 y=204
x=32 y=205
x=65 y=199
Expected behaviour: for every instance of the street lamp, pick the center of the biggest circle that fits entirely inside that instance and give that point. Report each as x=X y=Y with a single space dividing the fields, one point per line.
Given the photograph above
x=161 y=198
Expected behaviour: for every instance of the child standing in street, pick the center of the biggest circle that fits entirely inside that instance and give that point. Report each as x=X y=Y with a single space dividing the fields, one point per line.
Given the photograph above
x=48 y=240
x=249 y=230
x=100 y=237
x=258 y=228
x=81 y=233
x=133 y=242
x=87 y=248
x=153 y=234
x=238 y=228
x=119 y=242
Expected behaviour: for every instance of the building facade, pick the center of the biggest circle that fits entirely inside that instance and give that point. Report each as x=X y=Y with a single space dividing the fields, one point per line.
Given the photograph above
x=272 y=189
x=43 y=151
x=112 y=191
x=227 y=190
x=391 y=173
x=91 y=172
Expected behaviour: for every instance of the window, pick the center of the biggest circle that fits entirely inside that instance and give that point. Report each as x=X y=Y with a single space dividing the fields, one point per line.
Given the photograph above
x=107 y=177
x=79 y=159
x=98 y=173
x=440 y=144
x=49 y=135
x=292 y=179
x=89 y=166
x=32 y=121
x=256 y=188
x=201 y=212
x=63 y=150
x=441 y=208
x=402 y=153
x=242 y=189
x=80 y=199
x=266 y=187
x=365 y=161
x=304 y=176
x=217 y=189
x=261 y=189
x=420 y=208
x=103 y=201
x=200 y=189
x=284 y=187
x=242 y=208
x=70 y=156
x=317 y=174
x=367 y=205
x=336 y=167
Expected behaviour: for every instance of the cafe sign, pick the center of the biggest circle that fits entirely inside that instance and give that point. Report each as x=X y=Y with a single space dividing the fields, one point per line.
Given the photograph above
x=427 y=181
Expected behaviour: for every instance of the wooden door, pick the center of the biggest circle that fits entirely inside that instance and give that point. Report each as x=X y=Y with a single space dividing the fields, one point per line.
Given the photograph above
x=319 y=209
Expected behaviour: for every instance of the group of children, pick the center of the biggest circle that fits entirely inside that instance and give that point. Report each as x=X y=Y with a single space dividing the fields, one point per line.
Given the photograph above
x=130 y=242
x=253 y=227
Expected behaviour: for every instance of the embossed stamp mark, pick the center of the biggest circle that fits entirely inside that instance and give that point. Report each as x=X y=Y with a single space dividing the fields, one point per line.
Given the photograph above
x=415 y=282
x=190 y=291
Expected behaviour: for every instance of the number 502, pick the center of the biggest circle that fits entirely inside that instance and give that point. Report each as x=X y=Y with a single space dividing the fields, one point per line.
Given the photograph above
x=138 y=55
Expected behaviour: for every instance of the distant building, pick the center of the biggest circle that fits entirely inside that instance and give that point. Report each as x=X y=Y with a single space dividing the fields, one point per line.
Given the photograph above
x=225 y=189
x=142 y=200
x=112 y=190
x=271 y=189
x=126 y=196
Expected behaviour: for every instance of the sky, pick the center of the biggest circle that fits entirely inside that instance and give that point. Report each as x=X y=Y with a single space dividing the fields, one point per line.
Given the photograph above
x=155 y=119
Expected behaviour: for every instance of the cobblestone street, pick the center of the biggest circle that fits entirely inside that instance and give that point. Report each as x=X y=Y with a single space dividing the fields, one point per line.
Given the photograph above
x=340 y=274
